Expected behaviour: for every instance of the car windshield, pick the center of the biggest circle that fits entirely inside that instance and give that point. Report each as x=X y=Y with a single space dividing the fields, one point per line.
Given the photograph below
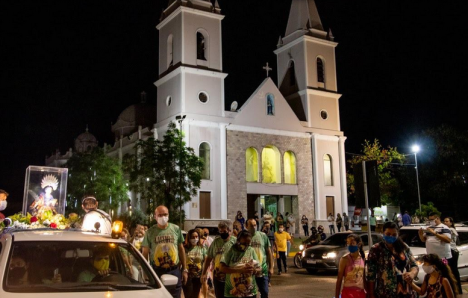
x=411 y=238
x=336 y=240
x=65 y=266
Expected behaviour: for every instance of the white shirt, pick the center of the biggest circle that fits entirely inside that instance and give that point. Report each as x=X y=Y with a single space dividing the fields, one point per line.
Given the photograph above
x=101 y=217
x=436 y=246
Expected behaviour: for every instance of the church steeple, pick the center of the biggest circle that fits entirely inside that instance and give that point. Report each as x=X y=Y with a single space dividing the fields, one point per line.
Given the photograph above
x=302 y=16
x=191 y=77
x=304 y=20
x=306 y=67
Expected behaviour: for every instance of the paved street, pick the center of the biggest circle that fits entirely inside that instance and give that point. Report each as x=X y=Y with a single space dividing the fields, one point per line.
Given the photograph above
x=298 y=283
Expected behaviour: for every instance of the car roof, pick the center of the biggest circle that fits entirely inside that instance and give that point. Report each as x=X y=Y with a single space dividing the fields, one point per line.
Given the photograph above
x=419 y=226
x=59 y=235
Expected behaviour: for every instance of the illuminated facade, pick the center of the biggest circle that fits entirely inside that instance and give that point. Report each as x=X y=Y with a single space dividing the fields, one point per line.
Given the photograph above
x=282 y=150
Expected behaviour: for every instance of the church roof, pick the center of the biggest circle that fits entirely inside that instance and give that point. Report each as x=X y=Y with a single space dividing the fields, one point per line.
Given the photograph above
x=303 y=16
x=141 y=114
x=85 y=141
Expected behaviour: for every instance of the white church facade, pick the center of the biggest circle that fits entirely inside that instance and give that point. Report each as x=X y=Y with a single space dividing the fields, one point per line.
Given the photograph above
x=282 y=150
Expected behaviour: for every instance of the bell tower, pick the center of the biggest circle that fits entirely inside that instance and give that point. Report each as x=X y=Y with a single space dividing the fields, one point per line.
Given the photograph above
x=191 y=78
x=306 y=67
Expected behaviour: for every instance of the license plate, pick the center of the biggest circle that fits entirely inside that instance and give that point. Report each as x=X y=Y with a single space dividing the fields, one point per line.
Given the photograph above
x=311 y=262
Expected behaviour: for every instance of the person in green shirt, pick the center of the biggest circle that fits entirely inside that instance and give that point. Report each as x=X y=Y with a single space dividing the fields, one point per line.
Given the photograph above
x=215 y=252
x=163 y=245
x=195 y=254
x=261 y=244
x=241 y=264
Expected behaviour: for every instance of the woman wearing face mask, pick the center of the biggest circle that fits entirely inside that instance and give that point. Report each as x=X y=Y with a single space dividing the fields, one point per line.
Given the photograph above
x=453 y=261
x=439 y=280
x=391 y=266
x=240 y=263
x=352 y=270
x=195 y=255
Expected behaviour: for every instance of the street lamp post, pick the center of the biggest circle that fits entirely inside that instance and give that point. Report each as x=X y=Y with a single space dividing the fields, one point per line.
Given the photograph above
x=179 y=119
x=415 y=150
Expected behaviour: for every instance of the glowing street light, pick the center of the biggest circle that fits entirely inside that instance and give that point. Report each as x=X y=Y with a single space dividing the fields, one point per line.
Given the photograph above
x=415 y=149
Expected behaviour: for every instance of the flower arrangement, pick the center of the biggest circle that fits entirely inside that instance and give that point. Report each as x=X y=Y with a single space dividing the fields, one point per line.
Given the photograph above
x=46 y=220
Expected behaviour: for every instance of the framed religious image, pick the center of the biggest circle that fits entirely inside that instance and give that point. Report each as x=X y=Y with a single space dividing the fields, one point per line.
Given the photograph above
x=45 y=190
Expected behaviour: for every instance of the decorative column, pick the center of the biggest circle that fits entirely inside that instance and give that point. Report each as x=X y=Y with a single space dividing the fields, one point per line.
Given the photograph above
x=223 y=157
x=186 y=133
x=315 y=175
x=344 y=194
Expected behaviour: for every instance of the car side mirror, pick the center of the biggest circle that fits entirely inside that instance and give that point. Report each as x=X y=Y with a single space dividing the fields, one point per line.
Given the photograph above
x=169 y=281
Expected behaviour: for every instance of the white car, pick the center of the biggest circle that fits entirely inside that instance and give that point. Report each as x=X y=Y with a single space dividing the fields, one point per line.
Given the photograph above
x=409 y=234
x=48 y=263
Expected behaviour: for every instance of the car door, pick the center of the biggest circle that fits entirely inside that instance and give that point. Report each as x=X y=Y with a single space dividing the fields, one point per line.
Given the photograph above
x=463 y=249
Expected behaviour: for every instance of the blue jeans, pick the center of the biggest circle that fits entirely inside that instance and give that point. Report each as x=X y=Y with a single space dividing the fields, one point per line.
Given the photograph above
x=262 y=285
x=219 y=288
x=177 y=273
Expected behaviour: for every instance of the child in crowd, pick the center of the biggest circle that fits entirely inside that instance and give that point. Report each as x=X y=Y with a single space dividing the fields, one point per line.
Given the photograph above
x=439 y=280
x=352 y=270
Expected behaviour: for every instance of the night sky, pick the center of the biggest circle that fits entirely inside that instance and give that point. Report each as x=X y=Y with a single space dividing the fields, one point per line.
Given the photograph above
x=401 y=68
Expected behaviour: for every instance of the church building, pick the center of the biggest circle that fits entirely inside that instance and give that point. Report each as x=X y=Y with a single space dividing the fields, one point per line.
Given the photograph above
x=283 y=149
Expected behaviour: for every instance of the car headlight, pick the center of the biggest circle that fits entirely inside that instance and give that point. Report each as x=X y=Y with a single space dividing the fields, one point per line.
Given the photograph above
x=419 y=260
x=330 y=255
x=301 y=247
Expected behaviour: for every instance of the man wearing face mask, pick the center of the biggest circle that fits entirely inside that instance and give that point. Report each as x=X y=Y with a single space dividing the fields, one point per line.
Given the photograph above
x=437 y=237
x=99 y=266
x=261 y=245
x=163 y=244
x=241 y=264
x=281 y=239
x=3 y=203
x=221 y=244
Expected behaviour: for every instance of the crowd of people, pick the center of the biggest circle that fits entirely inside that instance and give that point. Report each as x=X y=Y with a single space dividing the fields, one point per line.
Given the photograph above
x=392 y=268
x=240 y=262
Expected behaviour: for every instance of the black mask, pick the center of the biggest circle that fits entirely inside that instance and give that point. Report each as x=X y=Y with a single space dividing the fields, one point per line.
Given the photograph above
x=224 y=236
x=16 y=273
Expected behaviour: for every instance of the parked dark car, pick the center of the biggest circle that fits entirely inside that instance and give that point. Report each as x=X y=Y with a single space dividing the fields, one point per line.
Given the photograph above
x=327 y=254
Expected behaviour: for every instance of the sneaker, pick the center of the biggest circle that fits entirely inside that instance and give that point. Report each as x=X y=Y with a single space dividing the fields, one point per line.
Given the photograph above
x=279 y=273
x=286 y=270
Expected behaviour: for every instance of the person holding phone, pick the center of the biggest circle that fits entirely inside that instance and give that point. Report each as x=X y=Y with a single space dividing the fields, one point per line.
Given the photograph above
x=437 y=237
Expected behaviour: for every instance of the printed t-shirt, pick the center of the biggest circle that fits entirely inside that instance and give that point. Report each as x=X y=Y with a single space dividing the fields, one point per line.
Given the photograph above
x=281 y=240
x=163 y=245
x=260 y=244
x=195 y=257
x=216 y=251
x=436 y=246
x=239 y=284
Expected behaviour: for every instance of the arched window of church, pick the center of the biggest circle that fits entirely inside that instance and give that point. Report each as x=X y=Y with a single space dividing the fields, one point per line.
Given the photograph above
x=170 y=51
x=270 y=103
x=289 y=167
x=271 y=165
x=320 y=72
x=292 y=74
x=205 y=156
x=327 y=170
x=201 y=46
x=251 y=165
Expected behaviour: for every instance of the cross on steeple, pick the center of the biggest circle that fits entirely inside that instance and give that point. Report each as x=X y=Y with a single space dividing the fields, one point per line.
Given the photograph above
x=267 y=68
